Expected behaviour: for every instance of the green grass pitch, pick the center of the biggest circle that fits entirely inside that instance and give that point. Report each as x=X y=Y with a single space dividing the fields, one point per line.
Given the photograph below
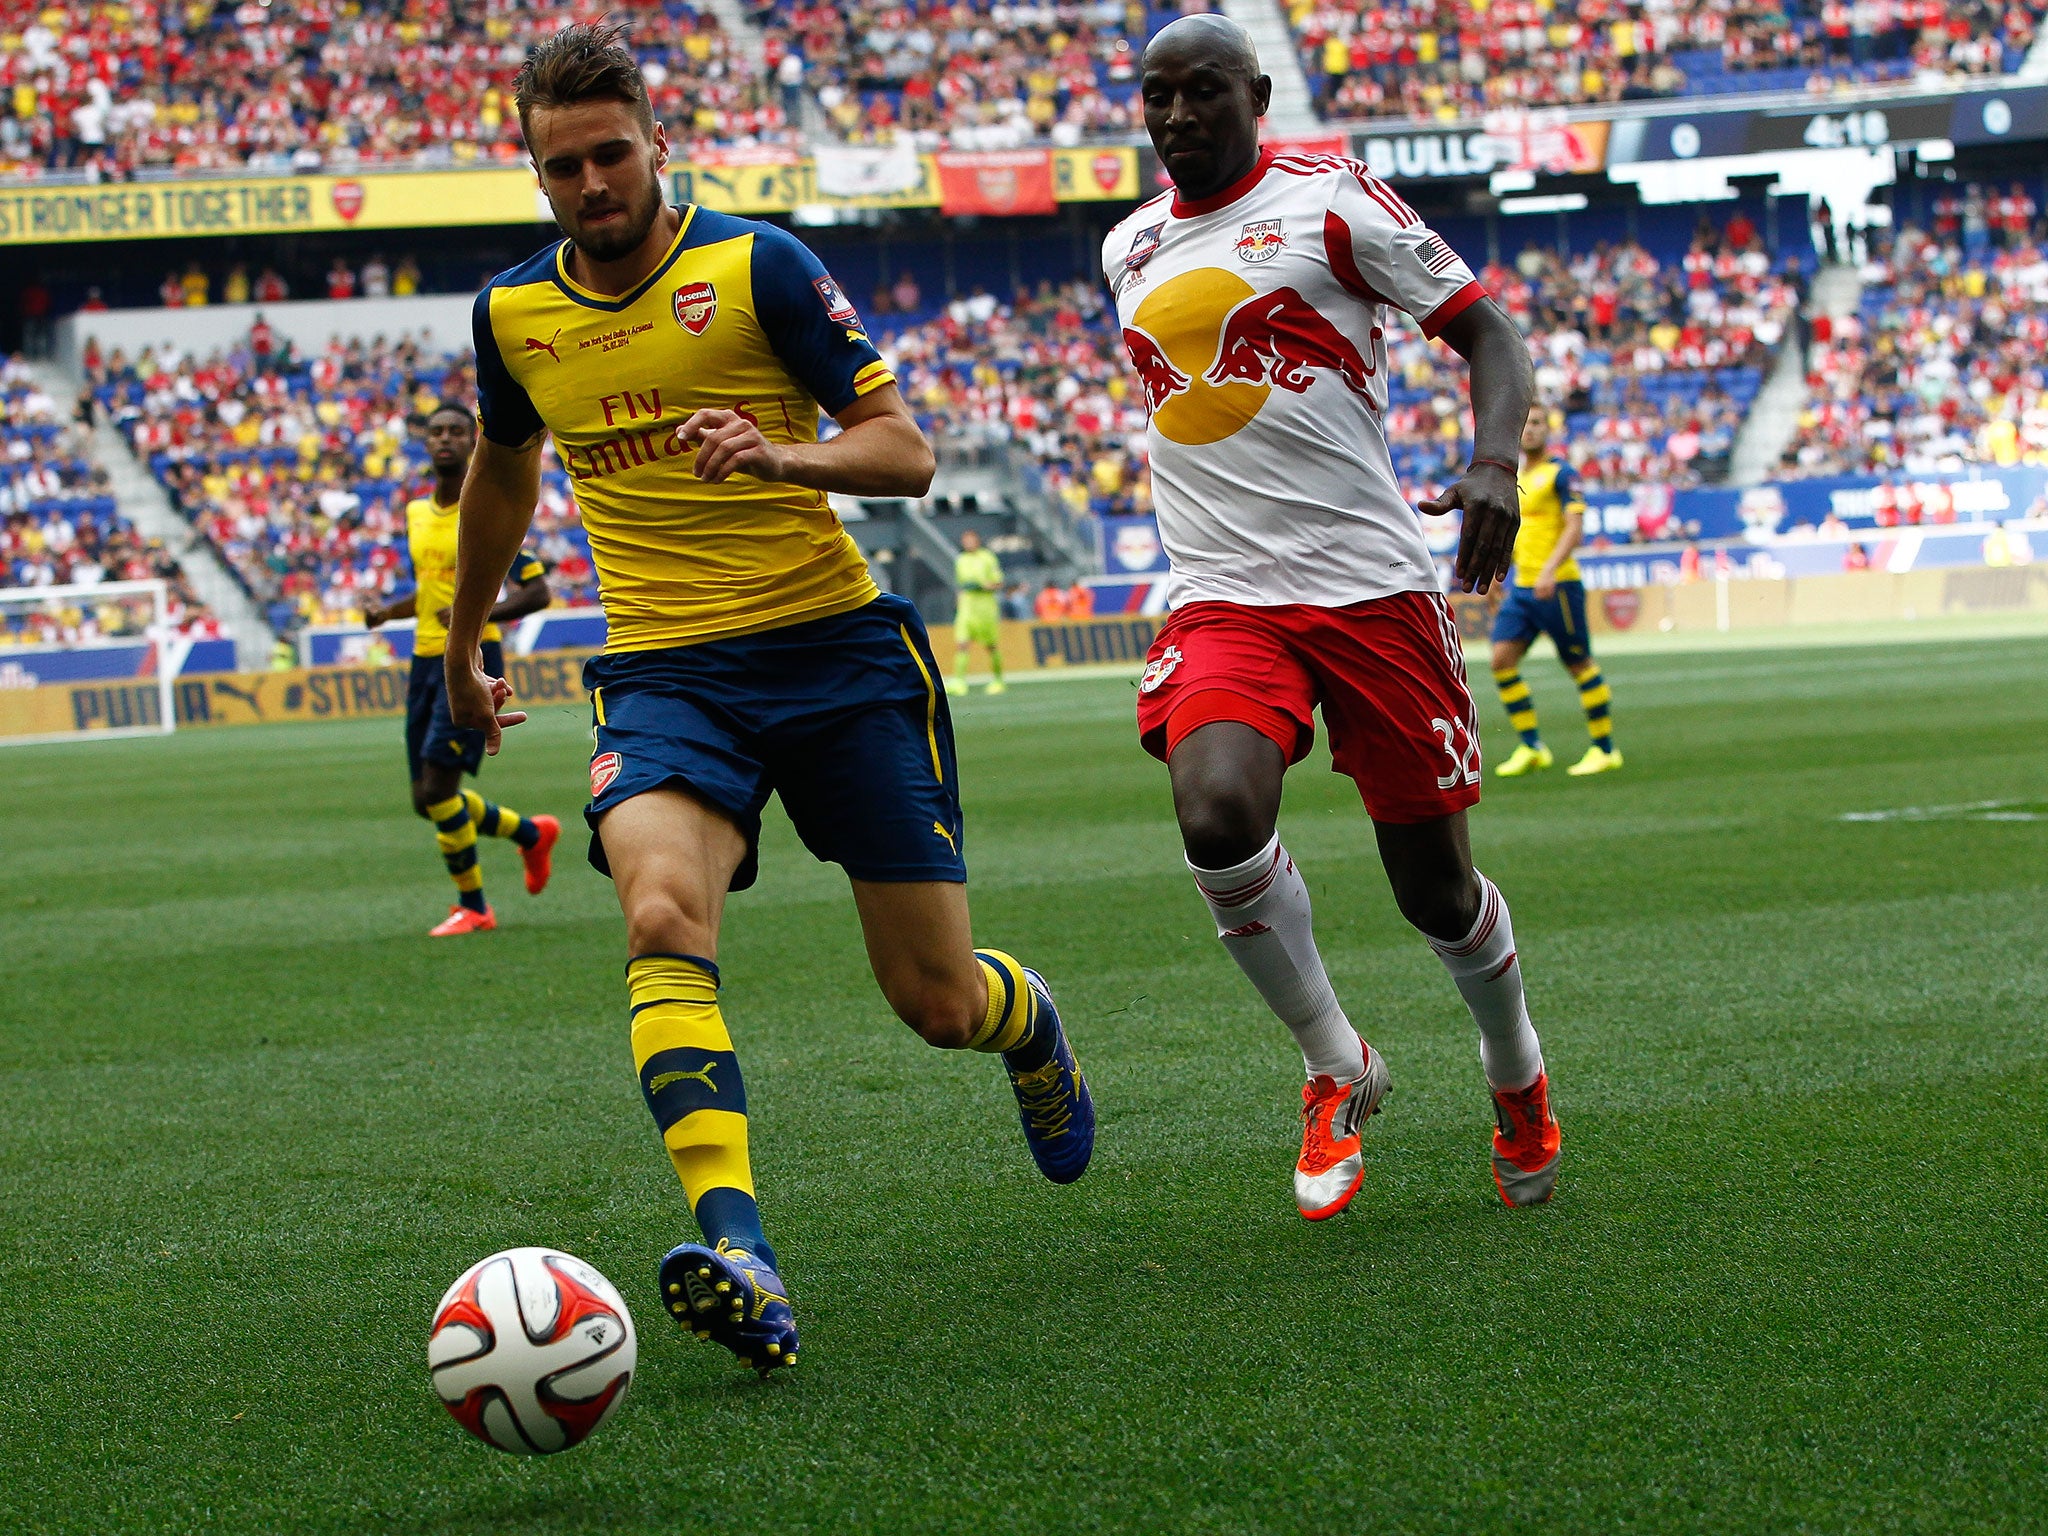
x=1792 y=1280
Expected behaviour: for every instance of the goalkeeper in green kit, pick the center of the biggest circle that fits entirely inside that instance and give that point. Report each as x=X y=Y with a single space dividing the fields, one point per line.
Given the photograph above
x=978 y=580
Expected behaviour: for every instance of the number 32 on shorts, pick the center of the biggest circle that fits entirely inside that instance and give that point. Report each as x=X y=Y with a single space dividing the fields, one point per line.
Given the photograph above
x=1465 y=760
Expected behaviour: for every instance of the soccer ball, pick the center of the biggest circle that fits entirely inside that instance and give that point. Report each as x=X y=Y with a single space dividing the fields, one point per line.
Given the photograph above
x=531 y=1350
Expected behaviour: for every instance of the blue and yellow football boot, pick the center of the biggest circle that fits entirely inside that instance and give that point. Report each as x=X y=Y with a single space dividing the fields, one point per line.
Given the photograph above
x=1053 y=1100
x=729 y=1296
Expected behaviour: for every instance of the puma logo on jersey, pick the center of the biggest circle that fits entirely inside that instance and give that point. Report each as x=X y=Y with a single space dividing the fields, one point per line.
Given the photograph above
x=535 y=344
x=939 y=828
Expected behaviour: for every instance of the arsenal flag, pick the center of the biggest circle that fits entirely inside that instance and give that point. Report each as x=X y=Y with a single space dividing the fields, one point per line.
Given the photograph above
x=1001 y=181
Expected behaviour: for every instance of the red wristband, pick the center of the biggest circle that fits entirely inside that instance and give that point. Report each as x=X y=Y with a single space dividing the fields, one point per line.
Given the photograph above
x=1496 y=463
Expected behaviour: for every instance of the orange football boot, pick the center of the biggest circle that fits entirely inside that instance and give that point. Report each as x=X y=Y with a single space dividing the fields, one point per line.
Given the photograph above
x=461 y=920
x=1332 y=1114
x=539 y=859
x=1525 y=1146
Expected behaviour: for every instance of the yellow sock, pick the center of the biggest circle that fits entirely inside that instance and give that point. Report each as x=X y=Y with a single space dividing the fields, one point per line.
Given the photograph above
x=1597 y=699
x=456 y=834
x=1514 y=696
x=1012 y=1006
x=500 y=820
x=691 y=1080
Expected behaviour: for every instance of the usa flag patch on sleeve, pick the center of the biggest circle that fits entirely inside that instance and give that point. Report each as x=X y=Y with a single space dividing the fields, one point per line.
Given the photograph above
x=1437 y=257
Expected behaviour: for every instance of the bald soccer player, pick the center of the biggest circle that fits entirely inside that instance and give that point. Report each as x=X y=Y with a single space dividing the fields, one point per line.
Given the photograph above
x=1252 y=299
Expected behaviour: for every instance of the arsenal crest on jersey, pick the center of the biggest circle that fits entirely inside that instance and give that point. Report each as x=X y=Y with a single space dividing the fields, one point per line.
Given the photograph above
x=696 y=303
x=1260 y=241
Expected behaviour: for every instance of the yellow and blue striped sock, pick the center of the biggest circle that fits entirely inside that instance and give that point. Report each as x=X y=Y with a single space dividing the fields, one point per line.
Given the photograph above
x=1595 y=697
x=691 y=1080
x=1012 y=1025
x=500 y=820
x=1514 y=693
x=456 y=833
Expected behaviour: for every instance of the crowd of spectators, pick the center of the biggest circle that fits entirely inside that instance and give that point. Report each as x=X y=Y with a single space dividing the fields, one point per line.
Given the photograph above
x=969 y=74
x=1944 y=365
x=1453 y=59
x=1649 y=366
x=298 y=469
x=1044 y=375
x=59 y=527
x=110 y=89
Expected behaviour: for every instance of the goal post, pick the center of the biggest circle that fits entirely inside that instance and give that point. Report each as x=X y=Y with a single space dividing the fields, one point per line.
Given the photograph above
x=87 y=662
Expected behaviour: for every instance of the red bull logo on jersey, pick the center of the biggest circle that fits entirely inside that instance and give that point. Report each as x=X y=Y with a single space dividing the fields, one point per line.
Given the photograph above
x=1209 y=351
x=1260 y=241
x=1278 y=338
x=1162 y=381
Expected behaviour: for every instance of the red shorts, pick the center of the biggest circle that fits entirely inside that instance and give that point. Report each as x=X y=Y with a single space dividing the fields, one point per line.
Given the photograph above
x=1389 y=675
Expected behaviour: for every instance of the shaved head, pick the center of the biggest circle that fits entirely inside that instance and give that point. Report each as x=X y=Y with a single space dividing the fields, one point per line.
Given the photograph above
x=1203 y=97
x=1213 y=40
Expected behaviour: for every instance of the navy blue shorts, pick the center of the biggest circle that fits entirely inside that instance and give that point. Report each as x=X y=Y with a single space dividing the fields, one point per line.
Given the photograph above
x=431 y=735
x=842 y=717
x=1523 y=616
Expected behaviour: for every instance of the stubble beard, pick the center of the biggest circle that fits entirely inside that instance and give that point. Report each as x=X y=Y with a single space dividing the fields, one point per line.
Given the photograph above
x=612 y=245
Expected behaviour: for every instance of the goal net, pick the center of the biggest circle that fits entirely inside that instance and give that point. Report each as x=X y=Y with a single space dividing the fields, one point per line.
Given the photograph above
x=86 y=662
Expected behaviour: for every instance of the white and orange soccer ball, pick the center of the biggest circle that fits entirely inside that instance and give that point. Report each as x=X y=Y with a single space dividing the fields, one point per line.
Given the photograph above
x=531 y=1350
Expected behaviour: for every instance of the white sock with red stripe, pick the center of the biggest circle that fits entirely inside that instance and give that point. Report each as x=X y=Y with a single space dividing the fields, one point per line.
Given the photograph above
x=1262 y=916
x=1484 y=966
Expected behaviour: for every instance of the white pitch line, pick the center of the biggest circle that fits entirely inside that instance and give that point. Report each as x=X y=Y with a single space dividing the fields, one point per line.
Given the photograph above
x=1973 y=810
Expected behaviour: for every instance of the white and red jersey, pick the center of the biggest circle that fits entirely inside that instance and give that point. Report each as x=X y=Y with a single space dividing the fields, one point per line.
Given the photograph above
x=1254 y=319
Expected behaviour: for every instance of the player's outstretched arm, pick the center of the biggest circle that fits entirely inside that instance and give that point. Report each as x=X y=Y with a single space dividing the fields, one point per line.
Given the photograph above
x=498 y=500
x=879 y=451
x=1503 y=385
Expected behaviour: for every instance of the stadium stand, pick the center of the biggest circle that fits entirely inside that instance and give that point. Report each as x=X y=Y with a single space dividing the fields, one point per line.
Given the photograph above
x=59 y=526
x=298 y=469
x=1045 y=373
x=300 y=84
x=1451 y=59
x=1941 y=366
x=970 y=73
x=1651 y=362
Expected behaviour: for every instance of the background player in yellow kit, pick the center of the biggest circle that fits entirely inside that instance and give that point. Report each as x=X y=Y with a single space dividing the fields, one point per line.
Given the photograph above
x=680 y=358
x=977 y=615
x=437 y=751
x=1548 y=598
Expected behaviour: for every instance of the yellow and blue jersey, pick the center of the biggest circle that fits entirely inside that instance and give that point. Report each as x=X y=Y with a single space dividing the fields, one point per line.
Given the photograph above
x=1550 y=494
x=739 y=316
x=430 y=538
